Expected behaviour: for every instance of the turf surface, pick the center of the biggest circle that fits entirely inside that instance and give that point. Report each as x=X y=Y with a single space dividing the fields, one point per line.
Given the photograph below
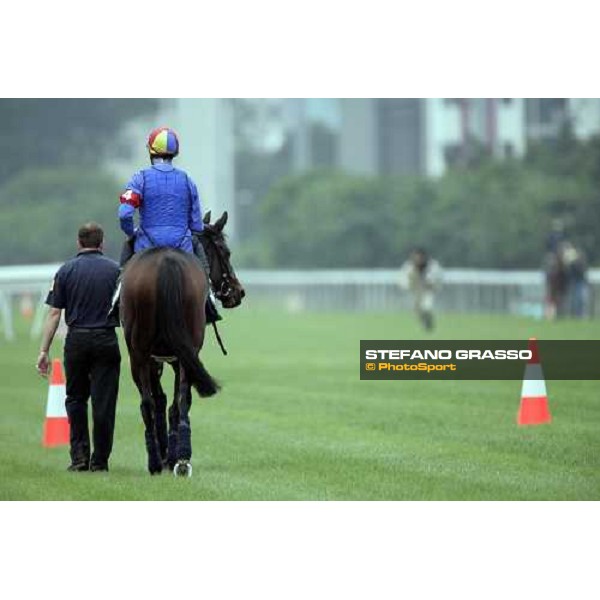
x=294 y=422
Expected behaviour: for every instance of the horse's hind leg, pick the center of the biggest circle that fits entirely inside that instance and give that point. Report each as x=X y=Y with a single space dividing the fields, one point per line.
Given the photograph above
x=160 y=405
x=144 y=381
x=173 y=421
x=184 y=432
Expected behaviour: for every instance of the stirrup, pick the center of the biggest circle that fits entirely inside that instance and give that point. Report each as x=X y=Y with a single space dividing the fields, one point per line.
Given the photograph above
x=114 y=303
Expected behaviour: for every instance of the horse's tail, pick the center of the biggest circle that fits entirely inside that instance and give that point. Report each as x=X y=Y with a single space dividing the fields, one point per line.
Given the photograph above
x=172 y=331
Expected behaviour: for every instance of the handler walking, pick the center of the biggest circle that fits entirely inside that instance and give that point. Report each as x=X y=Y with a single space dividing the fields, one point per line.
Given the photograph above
x=83 y=287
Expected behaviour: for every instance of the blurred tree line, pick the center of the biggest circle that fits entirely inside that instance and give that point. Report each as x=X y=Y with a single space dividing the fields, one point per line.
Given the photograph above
x=51 y=176
x=494 y=214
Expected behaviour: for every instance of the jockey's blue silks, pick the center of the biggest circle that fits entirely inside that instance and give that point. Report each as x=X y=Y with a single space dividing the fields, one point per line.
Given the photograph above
x=169 y=207
x=170 y=216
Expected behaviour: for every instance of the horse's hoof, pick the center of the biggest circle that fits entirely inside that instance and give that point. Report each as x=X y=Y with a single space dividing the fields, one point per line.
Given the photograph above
x=183 y=468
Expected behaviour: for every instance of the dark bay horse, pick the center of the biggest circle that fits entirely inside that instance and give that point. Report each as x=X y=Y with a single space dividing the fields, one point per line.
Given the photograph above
x=162 y=307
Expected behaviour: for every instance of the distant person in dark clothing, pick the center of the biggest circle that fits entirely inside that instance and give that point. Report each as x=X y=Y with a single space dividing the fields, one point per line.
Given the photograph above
x=576 y=274
x=83 y=288
x=556 y=285
x=555 y=271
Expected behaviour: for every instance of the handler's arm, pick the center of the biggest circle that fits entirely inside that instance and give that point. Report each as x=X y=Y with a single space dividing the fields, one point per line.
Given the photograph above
x=43 y=362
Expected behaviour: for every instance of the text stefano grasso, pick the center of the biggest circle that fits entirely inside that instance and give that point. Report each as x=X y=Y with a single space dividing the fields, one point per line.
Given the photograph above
x=459 y=354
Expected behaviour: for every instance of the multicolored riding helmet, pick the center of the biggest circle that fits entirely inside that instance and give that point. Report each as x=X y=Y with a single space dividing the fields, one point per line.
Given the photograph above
x=163 y=141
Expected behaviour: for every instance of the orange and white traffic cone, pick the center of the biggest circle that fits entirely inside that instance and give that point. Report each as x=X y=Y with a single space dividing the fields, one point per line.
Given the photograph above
x=56 y=426
x=534 y=398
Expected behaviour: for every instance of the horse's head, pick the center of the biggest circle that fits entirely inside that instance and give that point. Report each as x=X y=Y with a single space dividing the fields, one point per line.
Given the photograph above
x=225 y=285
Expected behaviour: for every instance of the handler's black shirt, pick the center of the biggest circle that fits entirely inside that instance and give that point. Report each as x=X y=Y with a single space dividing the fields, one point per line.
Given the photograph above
x=84 y=286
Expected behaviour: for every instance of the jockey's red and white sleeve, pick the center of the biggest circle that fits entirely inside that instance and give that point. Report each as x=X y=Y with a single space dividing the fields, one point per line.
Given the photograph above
x=130 y=200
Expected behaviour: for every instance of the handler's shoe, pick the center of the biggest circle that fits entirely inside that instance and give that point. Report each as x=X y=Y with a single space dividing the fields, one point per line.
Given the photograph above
x=96 y=468
x=78 y=467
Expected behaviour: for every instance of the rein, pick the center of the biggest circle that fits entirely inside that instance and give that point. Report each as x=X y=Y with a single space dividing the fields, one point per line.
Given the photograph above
x=225 y=287
x=219 y=338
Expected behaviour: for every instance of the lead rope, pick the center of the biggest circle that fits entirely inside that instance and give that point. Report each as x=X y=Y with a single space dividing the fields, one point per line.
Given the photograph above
x=219 y=338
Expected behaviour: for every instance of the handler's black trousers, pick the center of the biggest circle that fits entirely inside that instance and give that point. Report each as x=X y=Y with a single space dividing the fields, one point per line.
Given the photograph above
x=92 y=366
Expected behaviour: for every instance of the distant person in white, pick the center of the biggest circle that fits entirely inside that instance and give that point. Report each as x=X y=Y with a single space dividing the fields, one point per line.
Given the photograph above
x=422 y=275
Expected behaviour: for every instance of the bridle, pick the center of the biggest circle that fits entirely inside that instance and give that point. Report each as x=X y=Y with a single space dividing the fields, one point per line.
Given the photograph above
x=225 y=288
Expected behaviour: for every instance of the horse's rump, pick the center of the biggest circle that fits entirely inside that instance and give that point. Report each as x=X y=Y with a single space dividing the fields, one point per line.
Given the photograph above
x=163 y=297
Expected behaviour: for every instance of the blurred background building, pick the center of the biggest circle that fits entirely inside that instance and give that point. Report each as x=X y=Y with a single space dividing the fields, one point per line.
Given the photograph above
x=427 y=135
x=369 y=136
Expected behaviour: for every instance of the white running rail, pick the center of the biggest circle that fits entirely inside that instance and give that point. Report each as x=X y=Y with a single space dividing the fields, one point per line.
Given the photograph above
x=464 y=290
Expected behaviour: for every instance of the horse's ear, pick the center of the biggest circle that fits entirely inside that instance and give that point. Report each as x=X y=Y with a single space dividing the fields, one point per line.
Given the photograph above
x=222 y=221
x=206 y=219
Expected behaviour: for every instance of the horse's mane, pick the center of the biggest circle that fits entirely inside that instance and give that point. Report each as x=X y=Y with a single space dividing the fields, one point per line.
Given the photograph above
x=213 y=231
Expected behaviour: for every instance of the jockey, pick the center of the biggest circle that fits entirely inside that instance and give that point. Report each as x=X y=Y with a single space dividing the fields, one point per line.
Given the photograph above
x=168 y=204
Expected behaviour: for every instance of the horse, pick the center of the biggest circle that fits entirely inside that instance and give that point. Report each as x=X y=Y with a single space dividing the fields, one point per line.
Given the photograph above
x=162 y=309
